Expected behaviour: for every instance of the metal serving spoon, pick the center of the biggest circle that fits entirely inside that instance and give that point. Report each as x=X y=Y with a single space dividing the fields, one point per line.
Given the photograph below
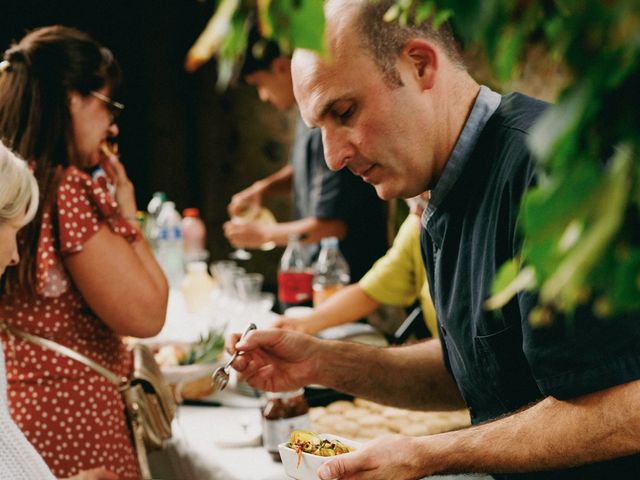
x=220 y=377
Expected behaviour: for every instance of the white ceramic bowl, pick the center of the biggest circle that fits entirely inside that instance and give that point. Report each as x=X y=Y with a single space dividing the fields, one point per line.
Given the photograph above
x=175 y=374
x=186 y=373
x=309 y=464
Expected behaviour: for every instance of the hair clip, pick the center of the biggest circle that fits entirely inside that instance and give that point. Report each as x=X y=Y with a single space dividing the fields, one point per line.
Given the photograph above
x=5 y=66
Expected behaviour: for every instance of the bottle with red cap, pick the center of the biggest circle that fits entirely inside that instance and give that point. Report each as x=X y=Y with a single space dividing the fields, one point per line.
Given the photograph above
x=295 y=277
x=193 y=235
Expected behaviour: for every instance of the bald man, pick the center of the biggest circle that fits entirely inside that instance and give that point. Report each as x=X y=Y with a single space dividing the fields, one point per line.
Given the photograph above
x=397 y=108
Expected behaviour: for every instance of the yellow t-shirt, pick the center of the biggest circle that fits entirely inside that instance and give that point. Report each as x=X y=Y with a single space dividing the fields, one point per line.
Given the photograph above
x=399 y=277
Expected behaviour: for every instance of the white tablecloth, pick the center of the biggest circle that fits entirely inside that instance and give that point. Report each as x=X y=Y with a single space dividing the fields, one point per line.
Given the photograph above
x=195 y=451
x=200 y=448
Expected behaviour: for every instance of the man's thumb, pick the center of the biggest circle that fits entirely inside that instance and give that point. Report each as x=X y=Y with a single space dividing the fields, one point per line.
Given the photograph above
x=333 y=469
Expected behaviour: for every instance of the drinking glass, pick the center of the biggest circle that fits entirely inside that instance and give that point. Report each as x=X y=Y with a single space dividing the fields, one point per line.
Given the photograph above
x=263 y=215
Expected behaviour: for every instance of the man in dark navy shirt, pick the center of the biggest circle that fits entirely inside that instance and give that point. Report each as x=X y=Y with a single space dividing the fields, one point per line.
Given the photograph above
x=397 y=107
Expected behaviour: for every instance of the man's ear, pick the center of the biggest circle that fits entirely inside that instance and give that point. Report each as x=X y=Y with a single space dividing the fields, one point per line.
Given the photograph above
x=281 y=65
x=423 y=58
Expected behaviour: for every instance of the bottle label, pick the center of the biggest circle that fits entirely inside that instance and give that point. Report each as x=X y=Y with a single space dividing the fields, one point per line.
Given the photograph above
x=320 y=294
x=275 y=432
x=294 y=287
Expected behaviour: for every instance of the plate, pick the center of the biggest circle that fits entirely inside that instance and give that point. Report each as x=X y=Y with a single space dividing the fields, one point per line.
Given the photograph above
x=186 y=373
x=355 y=332
x=175 y=374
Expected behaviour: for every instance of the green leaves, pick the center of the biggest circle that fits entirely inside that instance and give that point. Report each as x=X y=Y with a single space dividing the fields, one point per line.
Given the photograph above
x=206 y=350
x=298 y=24
x=509 y=281
x=581 y=224
x=561 y=121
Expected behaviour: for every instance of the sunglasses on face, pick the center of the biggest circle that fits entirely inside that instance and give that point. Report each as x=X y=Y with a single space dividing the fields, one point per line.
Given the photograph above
x=115 y=108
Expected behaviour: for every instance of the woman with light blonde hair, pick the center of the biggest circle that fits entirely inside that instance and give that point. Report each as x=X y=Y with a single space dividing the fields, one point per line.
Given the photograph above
x=18 y=202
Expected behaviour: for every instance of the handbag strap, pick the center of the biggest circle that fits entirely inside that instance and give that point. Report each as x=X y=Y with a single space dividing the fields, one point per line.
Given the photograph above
x=119 y=382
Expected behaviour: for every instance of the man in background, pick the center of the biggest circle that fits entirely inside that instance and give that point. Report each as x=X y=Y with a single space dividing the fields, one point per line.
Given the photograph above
x=325 y=203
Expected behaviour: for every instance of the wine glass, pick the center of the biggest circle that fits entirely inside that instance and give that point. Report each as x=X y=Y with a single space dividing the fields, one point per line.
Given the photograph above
x=265 y=216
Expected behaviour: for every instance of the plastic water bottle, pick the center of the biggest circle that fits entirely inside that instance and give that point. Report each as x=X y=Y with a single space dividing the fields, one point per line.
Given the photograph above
x=169 y=249
x=294 y=276
x=151 y=225
x=331 y=272
x=193 y=235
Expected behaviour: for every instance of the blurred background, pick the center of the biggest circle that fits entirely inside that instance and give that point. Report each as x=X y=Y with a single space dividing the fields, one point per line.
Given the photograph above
x=177 y=134
x=180 y=135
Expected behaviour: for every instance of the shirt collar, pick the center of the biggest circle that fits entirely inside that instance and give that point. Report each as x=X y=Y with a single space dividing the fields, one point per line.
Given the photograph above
x=485 y=105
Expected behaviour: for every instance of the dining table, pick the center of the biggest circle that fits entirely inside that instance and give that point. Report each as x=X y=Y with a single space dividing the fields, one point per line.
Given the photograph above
x=219 y=436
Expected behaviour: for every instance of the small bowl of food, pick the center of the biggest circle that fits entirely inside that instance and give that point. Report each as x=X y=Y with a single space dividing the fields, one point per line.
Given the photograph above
x=188 y=367
x=306 y=451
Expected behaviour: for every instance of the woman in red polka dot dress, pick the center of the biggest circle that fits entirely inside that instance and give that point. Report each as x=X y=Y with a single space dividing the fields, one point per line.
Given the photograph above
x=87 y=276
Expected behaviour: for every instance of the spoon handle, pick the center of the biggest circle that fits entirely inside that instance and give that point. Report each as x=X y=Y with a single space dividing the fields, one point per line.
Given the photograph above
x=251 y=326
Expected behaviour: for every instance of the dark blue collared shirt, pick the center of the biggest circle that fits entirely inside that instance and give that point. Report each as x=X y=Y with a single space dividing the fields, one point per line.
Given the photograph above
x=499 y=361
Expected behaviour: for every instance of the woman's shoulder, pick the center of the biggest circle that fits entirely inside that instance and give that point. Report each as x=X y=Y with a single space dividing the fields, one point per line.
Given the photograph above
x=78 y=190
x=74 y=177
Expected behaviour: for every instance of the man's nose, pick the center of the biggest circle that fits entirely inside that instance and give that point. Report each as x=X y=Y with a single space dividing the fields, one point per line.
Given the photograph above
x=337 y=151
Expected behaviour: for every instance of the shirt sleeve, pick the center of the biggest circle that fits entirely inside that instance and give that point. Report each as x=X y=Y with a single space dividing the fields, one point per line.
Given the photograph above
x=80 y=208
x=83 y=206
x=581 y=354
x=392 y=279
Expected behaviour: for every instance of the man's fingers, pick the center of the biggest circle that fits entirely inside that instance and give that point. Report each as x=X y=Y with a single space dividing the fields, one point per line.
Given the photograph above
x=260 y=378
x=259 y=339
x=332 y=470
x=230 y=343
x=346 y=466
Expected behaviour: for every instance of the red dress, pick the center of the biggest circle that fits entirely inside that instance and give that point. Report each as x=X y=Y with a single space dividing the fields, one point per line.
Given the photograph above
x=73 y=416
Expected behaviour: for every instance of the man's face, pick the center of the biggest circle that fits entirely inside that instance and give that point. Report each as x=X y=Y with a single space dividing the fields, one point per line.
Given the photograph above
x=274 y=85
x=382 y=133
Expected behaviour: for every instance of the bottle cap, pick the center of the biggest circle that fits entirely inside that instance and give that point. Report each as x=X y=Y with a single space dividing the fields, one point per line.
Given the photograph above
x=156 y=202
x=329 y=242
x=196 y=267
x=191 y=212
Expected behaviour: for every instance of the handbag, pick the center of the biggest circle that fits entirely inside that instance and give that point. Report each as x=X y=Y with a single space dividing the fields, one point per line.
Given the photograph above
x=149 y=401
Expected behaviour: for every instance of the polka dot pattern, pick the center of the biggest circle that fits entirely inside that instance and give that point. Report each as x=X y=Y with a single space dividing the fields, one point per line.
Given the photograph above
x=73 y=416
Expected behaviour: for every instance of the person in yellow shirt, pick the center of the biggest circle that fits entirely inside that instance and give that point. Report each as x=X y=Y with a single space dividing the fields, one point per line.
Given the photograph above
x=399 y=279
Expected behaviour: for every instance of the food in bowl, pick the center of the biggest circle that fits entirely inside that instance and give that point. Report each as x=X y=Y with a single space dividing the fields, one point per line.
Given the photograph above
x=187 y=367
x=305 y=451
x=206 y=350
x=303 y=441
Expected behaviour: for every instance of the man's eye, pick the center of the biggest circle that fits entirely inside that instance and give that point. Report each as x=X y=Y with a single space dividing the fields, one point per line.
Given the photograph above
x=346 y=113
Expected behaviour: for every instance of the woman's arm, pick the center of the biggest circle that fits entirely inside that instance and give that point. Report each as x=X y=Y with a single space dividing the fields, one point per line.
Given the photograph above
x=121 y=282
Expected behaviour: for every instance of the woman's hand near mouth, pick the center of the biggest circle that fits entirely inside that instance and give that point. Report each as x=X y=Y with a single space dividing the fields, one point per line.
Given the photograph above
x=125 y=192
